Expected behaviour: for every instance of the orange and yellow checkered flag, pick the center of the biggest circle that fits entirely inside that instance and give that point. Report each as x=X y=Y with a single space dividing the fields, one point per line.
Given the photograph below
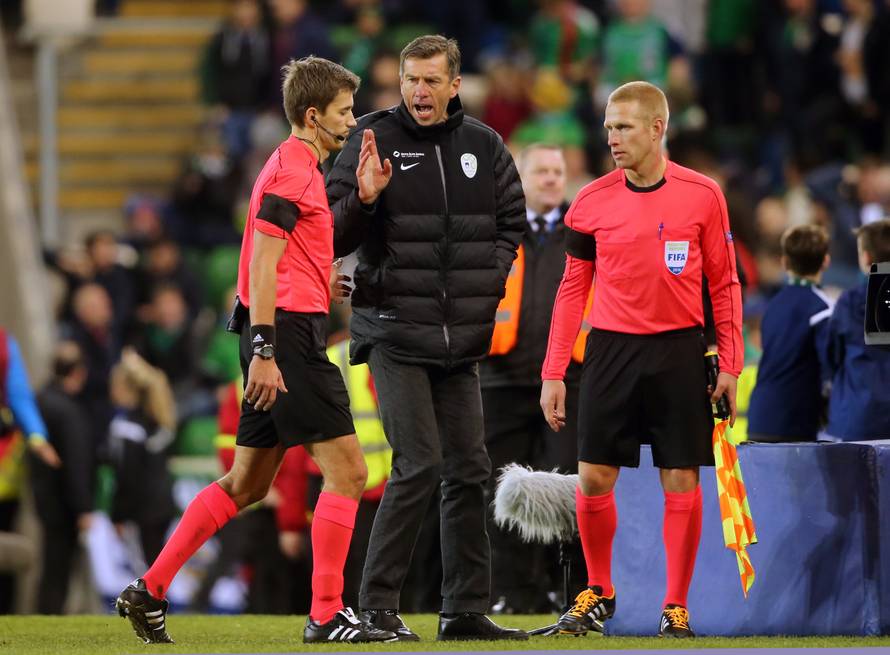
x=738 y=525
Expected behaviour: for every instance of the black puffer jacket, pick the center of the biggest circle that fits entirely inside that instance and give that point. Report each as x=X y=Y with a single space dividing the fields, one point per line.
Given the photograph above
x=435 y=249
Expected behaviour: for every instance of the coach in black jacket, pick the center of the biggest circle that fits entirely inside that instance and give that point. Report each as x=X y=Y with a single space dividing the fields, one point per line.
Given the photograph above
x=437 y=225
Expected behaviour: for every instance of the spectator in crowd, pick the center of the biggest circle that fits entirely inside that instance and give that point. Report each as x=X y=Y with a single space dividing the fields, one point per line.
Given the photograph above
x=116 y=279
x=554 y=122
x=770 y=221
x=849 y=196
x=637 y=46
x=804 y=79
x=236 y=72
x=876 y=54
x=140 y=434
x=850 y=53
x=162 y=264
x=728 y=76
x=20 y=423
x=298 y=32
x=787 y=402
x=507 y=104
x=515 y=430
x=206 y=192
x=564 y=36
x=380 y=90
x=145 y=221
x=466 y=21
x=92 y=328
x=63 y=496
x=859 y=407
x=167 y=340
x=365 y=38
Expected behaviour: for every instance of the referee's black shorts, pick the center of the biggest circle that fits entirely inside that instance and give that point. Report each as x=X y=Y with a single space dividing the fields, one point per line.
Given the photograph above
x=648 y=388
x=316 y=406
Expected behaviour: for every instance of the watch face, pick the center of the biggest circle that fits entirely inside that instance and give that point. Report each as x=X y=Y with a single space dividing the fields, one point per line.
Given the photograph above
x=266 y=352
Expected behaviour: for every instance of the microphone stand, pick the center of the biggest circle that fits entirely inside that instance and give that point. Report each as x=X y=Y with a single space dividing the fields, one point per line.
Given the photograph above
x=565 y=561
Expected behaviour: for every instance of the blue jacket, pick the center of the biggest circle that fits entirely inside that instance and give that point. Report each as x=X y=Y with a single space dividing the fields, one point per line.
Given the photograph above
x=787 y=400
x=19 y=396
x=860 y=390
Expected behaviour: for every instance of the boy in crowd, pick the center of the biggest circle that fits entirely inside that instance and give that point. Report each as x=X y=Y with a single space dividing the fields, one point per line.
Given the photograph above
x=786 y=403
x=859 y=407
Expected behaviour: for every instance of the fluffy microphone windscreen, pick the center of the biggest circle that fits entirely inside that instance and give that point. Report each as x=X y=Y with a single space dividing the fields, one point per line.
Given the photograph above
x=539 y=505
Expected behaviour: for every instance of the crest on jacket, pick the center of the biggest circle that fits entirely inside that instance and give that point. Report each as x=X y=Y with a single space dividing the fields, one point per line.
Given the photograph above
x=468 y=164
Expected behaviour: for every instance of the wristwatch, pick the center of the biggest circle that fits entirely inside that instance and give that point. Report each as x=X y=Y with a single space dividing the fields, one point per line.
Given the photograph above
x=266 y=351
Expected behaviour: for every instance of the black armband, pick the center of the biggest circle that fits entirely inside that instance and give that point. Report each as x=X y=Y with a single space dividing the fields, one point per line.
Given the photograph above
x=279 y=211
x=262 y=335
x=580 y=245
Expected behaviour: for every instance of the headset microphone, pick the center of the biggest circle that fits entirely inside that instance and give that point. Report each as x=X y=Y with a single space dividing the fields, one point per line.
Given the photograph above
x=339 y=137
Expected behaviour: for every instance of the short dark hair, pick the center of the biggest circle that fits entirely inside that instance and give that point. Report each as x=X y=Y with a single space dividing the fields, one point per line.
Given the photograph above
x=430 y=45
x=313 y=82
x=875 y=239
x=98 y=235
x=805 y=246
x=66 y=359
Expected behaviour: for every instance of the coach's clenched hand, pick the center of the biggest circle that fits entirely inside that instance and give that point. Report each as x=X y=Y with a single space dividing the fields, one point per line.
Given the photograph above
x=264 y=381
x=553 y=403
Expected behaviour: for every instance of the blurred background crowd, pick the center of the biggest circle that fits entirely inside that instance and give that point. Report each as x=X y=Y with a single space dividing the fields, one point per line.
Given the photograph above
x=786 y=103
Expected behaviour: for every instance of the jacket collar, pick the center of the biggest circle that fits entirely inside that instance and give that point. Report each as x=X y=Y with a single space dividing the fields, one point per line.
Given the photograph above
x=455 y=117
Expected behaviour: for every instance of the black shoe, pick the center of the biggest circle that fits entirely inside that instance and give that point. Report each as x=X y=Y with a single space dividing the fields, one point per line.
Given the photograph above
x=675 y=622
x=591 y=608
x=388 y=620
x=344 y=627
x=147 y=614
x=473 y=625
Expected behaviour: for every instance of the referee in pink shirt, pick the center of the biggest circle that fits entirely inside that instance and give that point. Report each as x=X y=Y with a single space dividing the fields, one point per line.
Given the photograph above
x=647 y=231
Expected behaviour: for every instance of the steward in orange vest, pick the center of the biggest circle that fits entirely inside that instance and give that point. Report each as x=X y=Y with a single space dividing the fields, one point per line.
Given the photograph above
x=515 y=430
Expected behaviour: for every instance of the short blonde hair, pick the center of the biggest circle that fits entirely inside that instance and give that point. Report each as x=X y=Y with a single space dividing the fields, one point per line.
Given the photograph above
x=652 y=99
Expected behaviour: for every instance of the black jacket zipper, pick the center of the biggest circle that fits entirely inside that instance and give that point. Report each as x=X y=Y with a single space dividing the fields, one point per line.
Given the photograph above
x=442 y=270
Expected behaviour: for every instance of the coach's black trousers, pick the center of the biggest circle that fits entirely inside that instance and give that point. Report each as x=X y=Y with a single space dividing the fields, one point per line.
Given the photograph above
x=433 y=421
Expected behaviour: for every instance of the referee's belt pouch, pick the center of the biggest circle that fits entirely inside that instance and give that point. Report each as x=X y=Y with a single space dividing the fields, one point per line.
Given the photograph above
x=240 y=315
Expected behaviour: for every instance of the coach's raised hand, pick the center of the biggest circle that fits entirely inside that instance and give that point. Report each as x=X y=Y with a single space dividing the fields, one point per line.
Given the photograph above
x=371 y=175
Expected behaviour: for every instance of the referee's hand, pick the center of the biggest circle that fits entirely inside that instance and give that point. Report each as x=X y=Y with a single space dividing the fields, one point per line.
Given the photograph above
x=726 y=384
x=264 y=381
x=553 y=403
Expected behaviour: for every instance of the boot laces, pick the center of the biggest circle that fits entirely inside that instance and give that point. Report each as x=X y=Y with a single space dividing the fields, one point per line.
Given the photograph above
x=586 y=601
x=678 y=616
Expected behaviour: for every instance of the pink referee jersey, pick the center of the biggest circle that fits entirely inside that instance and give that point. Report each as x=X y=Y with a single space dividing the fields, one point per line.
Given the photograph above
x=652 y=247
x=289 y=202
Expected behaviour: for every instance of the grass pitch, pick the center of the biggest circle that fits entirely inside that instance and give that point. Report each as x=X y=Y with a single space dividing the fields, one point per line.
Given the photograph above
x=111 y=635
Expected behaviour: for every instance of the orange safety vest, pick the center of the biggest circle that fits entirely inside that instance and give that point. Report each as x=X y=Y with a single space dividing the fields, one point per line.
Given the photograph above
x=506 y=325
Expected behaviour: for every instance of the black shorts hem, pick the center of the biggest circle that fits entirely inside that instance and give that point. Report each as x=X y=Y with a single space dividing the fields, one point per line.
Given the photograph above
x=292 y=442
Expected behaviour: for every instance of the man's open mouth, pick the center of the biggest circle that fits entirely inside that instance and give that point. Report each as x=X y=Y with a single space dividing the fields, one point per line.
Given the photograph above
x=423 y=110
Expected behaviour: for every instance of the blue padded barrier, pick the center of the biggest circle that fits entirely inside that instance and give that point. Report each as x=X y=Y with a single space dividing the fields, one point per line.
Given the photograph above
x=817 y=516
x=882 y=481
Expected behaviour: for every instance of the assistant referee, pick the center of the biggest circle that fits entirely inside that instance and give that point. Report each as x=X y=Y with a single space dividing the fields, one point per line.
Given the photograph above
x=648 y=230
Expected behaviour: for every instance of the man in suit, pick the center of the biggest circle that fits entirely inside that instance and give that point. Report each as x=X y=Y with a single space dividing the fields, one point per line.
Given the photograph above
x=515 y=430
